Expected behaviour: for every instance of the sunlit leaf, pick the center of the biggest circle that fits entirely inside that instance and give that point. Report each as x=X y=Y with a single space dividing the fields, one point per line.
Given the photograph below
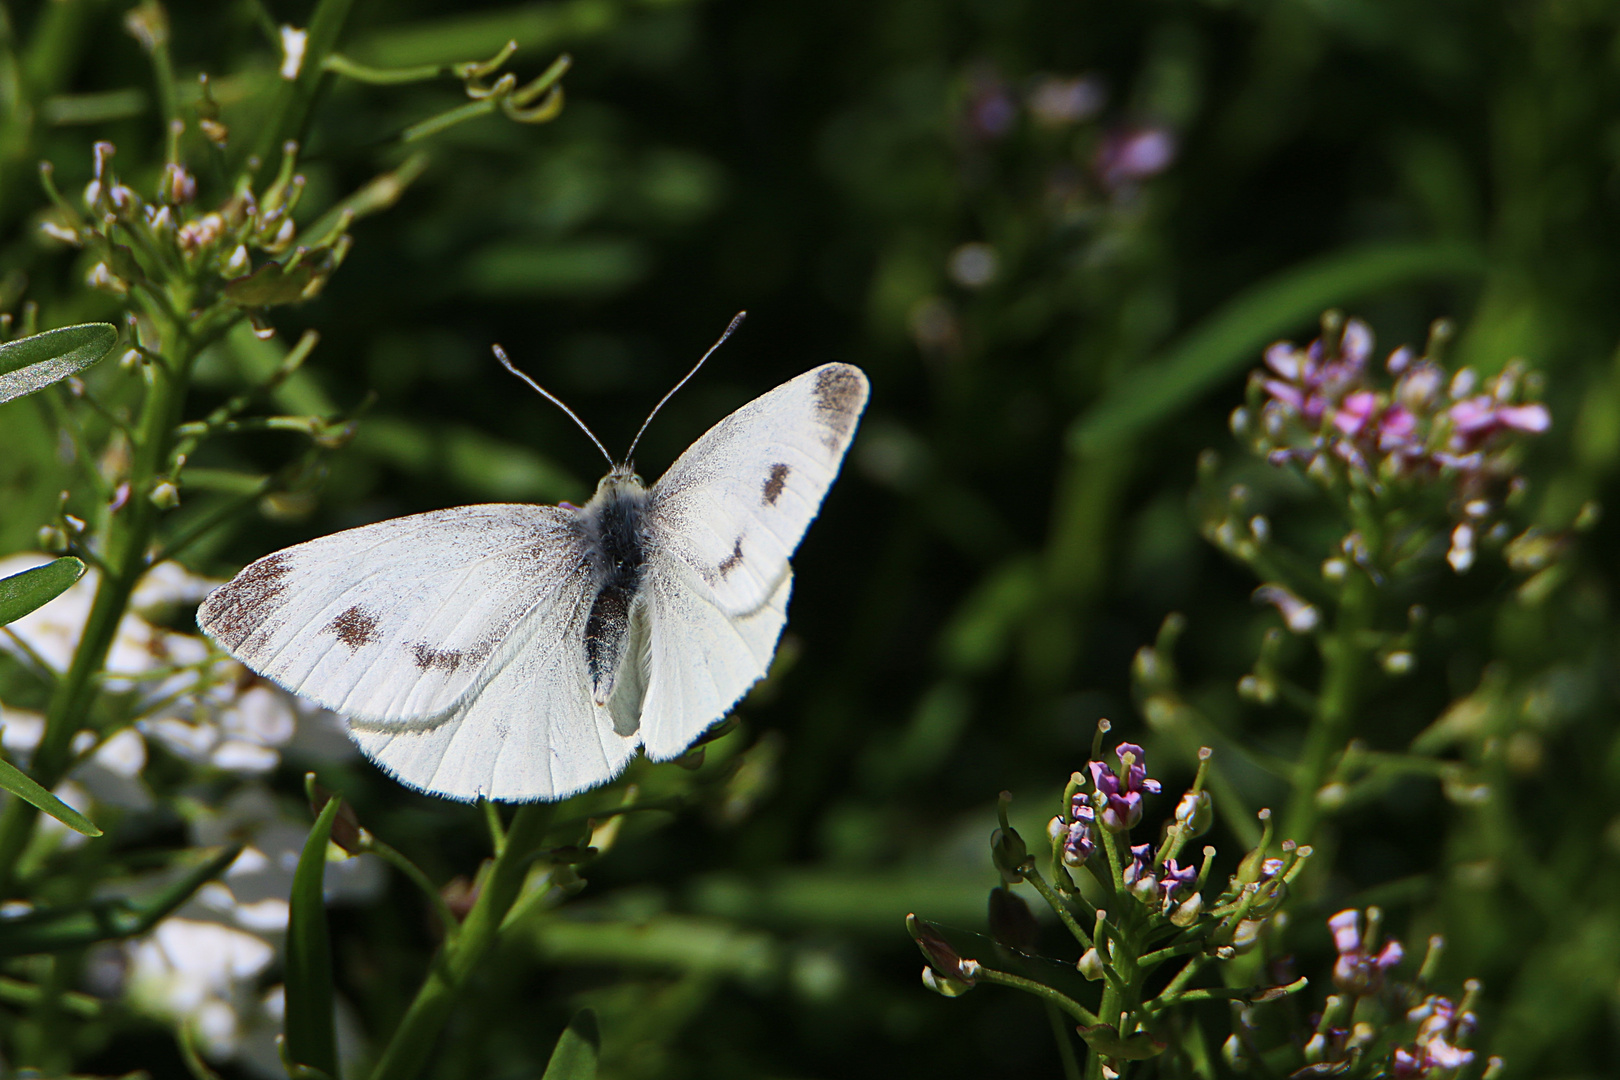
x=33 y=363
x=577 y=1049
x=311 y=1034
x=25 y=788
x=1229 y=340
x=34 y=588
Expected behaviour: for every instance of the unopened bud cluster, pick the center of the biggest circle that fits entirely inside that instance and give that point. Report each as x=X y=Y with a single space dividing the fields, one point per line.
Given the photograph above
x=195 y=257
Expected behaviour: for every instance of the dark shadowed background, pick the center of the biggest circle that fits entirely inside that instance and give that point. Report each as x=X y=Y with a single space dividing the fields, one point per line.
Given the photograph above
x=1056 y=235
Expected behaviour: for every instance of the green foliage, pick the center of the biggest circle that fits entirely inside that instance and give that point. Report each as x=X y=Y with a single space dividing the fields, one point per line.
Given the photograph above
x=23 y=786
x=311 y=1005
x=32 y=589
x=69 y=927
x=577 y=1048
x=28 y=365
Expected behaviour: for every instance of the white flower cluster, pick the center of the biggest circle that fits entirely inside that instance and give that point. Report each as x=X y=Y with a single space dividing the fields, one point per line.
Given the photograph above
x=203 y=967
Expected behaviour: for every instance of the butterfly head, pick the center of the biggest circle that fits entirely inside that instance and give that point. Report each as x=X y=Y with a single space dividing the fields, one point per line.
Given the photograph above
x=622 y=480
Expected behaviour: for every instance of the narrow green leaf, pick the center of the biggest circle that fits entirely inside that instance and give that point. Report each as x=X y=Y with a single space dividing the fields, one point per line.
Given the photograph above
x=34 y=588
x=33 y=363
x=50 y=930
x=311 y=1035
x=25 y=788
x=577 y=1049
x=1229 y=340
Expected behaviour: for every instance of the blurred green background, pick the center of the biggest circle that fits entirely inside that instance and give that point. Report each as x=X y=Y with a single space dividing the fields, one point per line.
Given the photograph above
x=1014 y=521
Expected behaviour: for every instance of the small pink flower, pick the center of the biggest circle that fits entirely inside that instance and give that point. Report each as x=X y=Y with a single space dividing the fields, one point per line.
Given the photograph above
x=1133 y=154
x=1356 y=412
x=1397 y=429
x=1176 y=879
x=1357 y=972
x=1124 y=807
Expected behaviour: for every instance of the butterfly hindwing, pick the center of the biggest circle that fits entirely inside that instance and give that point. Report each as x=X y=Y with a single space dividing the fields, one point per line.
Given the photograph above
x=702 y=659
x=530 y=731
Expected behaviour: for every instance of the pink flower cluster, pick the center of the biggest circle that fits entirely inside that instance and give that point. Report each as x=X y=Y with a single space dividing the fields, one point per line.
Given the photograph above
x=1319 y=404
x=1176 y=880
x=1440 y=1026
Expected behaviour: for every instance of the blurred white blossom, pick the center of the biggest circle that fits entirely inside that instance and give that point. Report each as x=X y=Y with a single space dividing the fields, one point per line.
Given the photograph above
x=202 y=967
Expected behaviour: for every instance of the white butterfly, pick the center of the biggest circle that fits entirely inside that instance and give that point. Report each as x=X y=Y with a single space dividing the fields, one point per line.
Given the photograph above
x=521 y=652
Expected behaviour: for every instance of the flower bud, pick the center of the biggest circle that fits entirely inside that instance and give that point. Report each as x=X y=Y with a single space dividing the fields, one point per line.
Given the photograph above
x=179 y=186
x=1461 y=555
x=1090 y=965
x=52 y=539
x=165 y=495
x=1008 y=852
x=100 y=277
x=1246 y=936
x=947 y=964
x=943 y=985
x=1237 y=1059
x=1397 y=662
x=1187 y=912
x=1197 y=812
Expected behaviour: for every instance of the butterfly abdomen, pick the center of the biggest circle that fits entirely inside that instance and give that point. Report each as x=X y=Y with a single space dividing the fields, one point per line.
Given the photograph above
x=614 y=526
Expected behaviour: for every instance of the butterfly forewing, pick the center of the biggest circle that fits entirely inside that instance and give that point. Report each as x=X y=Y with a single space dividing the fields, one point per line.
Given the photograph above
x=736 y=504
x=398 y=620
x=724 y=521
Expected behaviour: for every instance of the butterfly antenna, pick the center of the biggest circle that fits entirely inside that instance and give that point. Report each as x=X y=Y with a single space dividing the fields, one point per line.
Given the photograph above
x=735 y=322
x=500 y=354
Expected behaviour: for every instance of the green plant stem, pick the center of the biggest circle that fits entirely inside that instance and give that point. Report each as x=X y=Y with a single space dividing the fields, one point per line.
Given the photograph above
x=338 y=64
x=27 y=995
x=1344 y=657
x=408 y=1051
x=1055 y=902
x=1065 y=1042
x=289 y=115
x=129 y=535
x=472 y=110
x=1018 y=982
x=447 y=918
x=1184 y=976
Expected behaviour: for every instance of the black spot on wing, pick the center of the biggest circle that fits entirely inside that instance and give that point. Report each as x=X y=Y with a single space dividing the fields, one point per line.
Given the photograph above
x=430 y=659
x=840 y=393
x=774 y=484
x=732 y=561
x=234 y=610
x=356 y=627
